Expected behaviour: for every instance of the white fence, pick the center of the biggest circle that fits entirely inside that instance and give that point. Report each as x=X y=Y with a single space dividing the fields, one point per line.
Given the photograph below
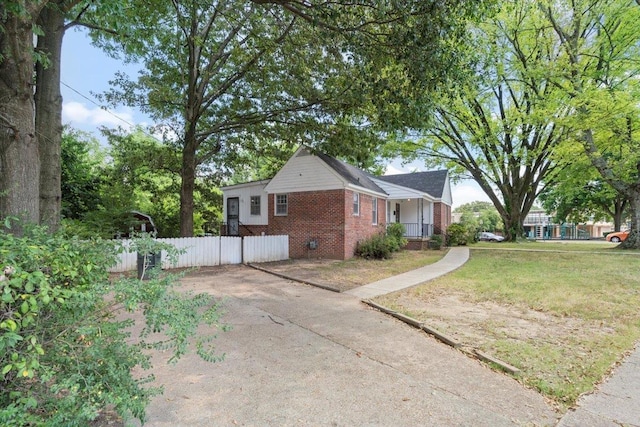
x=212 y=251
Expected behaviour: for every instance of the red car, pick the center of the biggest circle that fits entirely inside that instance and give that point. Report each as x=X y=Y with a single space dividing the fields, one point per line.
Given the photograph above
x=617 y=237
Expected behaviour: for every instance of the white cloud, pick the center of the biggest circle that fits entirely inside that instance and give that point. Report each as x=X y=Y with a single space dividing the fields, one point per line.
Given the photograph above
x=79 y=115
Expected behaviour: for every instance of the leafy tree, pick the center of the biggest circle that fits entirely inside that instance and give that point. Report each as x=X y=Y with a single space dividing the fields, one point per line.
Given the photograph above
x=431 y=24
x=600 y=41
x=66 y=350
x=496 y=126
x=237 y=74
x=580 y=194
x=479 y=216
x=82 y=163
x=144 y=175
x=33 y=121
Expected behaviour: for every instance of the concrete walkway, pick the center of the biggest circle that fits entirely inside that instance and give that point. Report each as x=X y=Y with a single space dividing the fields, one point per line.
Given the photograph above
x=454 y=259
x=299 y=356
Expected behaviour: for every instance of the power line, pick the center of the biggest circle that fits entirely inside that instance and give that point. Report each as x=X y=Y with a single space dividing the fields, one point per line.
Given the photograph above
x=102 y=107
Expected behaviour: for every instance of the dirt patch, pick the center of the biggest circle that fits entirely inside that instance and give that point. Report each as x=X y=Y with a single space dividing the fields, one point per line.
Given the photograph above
x=352 y=273
x=477 y=324
x=308 y=270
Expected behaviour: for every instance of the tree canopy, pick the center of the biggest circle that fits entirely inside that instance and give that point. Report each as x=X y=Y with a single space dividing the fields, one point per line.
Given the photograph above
x=233 y=75
x=495 y=126
x=600 y=43
x=546 y=77
x=580 y=194
x=334 y=74
x=479 y=216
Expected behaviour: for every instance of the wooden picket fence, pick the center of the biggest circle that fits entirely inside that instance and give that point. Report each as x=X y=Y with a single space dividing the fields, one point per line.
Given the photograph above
x=215 y=250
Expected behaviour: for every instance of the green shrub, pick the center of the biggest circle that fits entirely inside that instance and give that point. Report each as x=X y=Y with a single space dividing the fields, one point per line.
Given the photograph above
x=458 y=235
x=376 y=247
x=395 y=235
x=435 y=241
x=381 y=246
x=65 y=347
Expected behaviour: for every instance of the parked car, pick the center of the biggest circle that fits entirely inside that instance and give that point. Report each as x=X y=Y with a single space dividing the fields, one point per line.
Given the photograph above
x=490 y=237
x=617 y=237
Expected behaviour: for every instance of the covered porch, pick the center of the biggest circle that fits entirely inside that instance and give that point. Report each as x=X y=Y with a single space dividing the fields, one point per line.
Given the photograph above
x=415 y=214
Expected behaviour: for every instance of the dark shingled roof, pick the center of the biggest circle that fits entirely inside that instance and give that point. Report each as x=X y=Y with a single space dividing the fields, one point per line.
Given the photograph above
x=350 y=173
x=430 y=182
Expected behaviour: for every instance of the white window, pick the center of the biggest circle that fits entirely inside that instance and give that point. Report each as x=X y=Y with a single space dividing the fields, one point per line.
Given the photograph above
x=356 y=203
x=255 y=205
x=282 y=204
x=374 y=210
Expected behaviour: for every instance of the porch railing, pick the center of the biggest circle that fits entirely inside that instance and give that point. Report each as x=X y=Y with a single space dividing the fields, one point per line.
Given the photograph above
x=417 y=230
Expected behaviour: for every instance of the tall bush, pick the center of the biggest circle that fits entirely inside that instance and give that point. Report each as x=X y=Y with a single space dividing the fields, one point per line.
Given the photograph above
x=458 y=234
x=395 y=235
x=381 y=246
x=65 y=347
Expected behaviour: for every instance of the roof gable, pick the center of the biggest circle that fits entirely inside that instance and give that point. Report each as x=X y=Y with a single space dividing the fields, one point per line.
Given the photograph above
x=351 y=174
x=430 y=182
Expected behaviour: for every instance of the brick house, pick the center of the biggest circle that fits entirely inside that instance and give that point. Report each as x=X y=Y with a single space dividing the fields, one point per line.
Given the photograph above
x=327 y=206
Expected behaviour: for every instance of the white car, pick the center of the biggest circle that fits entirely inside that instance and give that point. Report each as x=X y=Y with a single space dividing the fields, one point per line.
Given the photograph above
x=490 y=237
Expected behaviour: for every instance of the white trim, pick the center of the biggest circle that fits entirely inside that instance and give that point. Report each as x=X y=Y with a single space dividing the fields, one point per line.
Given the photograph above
x=374 y=212
x=275 y=204
x=252 y=205
x=395 y=191
x=356 y=203
x=245 y=184
x=364 y=190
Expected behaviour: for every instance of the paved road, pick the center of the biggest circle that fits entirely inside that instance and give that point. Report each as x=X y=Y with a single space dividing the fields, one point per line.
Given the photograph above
x=303 y=356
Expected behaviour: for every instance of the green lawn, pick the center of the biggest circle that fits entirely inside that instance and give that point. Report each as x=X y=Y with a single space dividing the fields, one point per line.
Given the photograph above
x=563 y=313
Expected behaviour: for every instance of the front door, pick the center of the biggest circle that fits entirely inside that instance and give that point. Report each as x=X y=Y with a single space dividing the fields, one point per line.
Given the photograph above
x=233 y=216
x=397 y=212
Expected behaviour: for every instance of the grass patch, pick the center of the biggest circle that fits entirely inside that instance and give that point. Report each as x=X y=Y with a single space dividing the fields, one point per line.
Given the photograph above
x=562 y=313
x=555 y=245
x=356 y=271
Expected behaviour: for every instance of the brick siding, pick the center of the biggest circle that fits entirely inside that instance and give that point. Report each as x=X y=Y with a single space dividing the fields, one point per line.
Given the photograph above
x=326 y=218
x=441 y=218
x=360 y=227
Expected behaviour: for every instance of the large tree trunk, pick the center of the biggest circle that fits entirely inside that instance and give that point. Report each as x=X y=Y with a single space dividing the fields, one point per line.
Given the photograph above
x=49 y=116
x=187 y=188
x=633 y=240
x=618 y=212
x=513 y=225
x=19 y=159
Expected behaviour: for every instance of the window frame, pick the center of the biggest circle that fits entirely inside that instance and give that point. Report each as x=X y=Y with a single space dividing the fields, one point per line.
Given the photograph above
x=374 y=211
x=257 y=205
x=356 y=203
x=277 y=204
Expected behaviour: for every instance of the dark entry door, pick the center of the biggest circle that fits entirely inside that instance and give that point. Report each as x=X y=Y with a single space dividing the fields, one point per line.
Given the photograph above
x=233 y=216
x=397 y=212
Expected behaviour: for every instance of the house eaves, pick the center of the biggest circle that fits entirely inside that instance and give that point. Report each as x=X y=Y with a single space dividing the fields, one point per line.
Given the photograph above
x=395 y=191
x=245 y=184
x=429 y=182
x=354 y=178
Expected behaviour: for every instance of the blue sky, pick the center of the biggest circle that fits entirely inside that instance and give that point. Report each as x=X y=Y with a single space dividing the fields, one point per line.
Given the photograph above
x=86 y=70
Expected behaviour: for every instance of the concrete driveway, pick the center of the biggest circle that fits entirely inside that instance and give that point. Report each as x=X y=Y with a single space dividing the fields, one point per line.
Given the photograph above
x=303 y=356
